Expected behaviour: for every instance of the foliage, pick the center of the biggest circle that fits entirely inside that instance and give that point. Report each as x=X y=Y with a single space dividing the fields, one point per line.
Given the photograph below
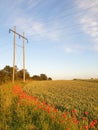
x=7 y=71
x=20 y=74
x=2 y=76
x=35 y=77
x=49 y=78
x=41 y=77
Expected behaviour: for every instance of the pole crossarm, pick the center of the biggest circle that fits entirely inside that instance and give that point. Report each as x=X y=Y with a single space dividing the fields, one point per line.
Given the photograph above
x=10 y=30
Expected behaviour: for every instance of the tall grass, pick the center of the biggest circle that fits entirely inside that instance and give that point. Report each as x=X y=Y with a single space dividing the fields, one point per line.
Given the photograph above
x=49 y=105
x=66 y=94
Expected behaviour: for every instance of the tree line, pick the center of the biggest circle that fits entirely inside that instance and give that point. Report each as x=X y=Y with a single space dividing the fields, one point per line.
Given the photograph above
x=7 y=71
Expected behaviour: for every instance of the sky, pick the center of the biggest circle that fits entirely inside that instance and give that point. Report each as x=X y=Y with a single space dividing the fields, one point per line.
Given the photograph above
x=62 y=35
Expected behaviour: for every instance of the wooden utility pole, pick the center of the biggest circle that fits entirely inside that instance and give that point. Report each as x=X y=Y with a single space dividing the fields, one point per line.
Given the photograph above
x=14 y=53
x=23 y=60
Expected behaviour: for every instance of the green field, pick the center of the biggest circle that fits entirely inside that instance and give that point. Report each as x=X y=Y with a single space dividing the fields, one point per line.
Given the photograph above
x=66 y=94
x=49 y=105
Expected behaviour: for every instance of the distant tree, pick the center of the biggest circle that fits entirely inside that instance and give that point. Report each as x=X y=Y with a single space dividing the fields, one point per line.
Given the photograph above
x=49 y=78
x=8 y=72
x=27 y=75
x=35 y=77
x=2 y=76
x=43 y=76
x=75 y=79
x=20 y=75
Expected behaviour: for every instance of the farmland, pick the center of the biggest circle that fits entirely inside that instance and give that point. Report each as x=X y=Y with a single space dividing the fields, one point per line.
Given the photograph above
x=49 y=105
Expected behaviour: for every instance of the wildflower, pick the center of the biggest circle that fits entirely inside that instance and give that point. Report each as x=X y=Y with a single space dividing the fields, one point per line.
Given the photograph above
x=75 y=121
x=55 y=110
x=84 y=118
x=64 y=115
x=93 y=123
x=86 y=127
x=86 y=113
x=48 y=109
x=61 y=121
x=74 y=111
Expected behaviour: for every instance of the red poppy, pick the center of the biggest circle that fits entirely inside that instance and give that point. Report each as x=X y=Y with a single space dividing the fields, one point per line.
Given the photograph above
x=86 y=113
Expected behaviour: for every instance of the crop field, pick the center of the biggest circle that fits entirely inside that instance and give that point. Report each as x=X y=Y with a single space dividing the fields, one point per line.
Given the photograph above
x=49 y=105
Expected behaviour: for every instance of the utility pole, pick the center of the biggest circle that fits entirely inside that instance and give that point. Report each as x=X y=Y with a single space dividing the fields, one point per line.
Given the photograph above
x=14 y=53
x=23 y=59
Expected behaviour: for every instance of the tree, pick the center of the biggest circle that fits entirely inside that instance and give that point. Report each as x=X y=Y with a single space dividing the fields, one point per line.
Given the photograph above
x=43 y=77
x=8 y=72
x=27 y=75
x=20 y=74
x=2 y=76
x=49 y=78
x=36 y=77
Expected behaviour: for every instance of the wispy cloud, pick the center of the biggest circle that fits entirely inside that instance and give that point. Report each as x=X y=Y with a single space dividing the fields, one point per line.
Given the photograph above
x=25 y=4
x=89 y=20
x=32 y=3
x=75 y=48
x=96 y=45
x=32 y=25
x=69 y=50
x=36 y=28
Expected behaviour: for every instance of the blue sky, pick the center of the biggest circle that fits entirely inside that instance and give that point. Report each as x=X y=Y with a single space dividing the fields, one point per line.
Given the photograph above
x=62 y=34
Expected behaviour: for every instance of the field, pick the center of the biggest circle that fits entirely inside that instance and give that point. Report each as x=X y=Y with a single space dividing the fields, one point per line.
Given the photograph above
x=49 y=105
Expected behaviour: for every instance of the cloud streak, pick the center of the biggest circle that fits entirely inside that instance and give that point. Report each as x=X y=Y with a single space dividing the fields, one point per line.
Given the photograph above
x=38 y=29
x=32 y=25
x=89 y=20
x=35 y=28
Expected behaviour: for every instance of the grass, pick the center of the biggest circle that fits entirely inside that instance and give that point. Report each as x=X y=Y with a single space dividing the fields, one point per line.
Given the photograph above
x=67 y=94
x=49 y=105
